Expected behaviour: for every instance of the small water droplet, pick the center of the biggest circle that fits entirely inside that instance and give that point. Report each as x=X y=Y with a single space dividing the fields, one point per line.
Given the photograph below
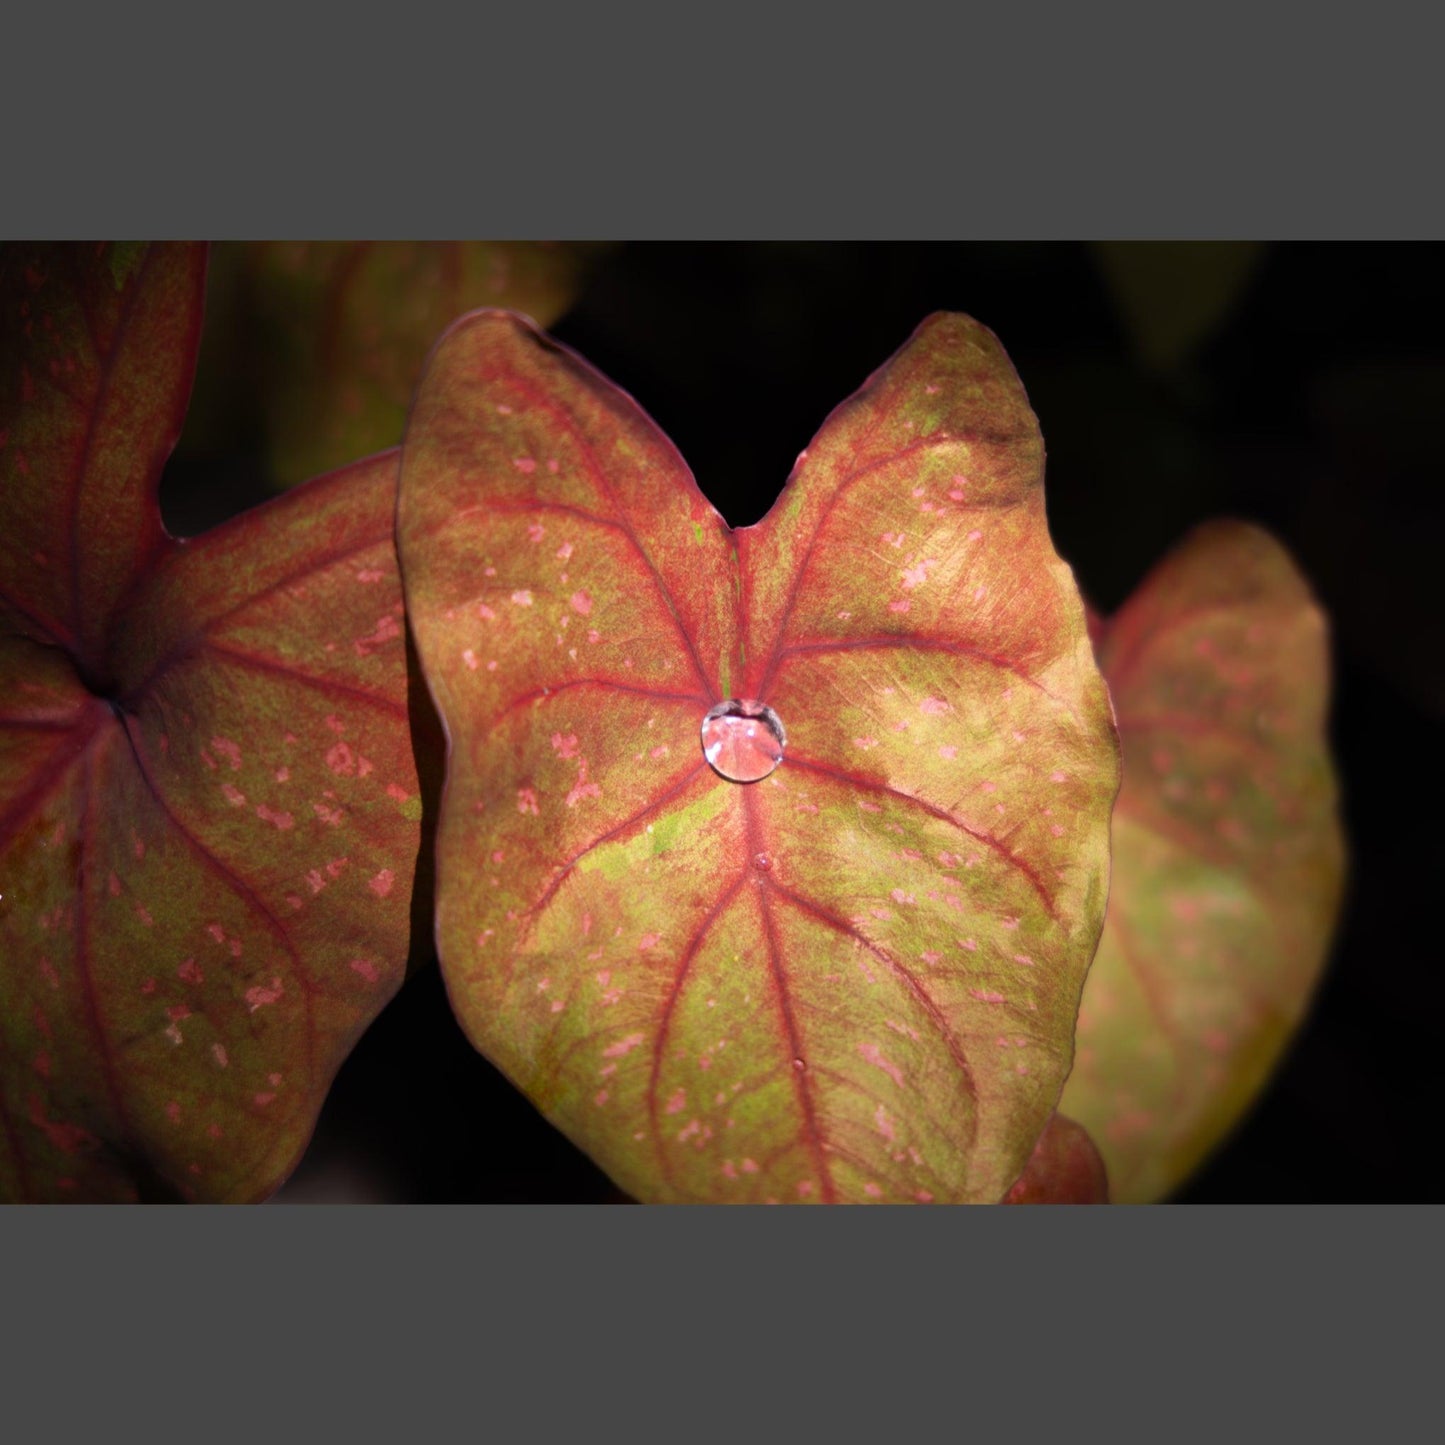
x=763 y=861
x=799 y=1064
x=743 y=740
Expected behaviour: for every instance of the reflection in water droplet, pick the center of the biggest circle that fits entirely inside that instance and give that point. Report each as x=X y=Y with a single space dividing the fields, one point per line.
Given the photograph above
x=743 y=740
x=763 y=861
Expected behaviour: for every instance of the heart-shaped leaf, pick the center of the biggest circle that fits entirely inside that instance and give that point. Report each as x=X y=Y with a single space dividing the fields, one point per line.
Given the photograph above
x=1228 y=854
x=347 y=325
x=856 y=977
x=208 y=802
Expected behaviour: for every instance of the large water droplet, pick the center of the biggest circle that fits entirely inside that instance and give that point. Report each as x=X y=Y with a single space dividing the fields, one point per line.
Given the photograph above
x=743 y=740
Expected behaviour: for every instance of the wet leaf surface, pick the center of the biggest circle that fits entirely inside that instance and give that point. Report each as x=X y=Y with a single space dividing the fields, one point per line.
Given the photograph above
x=209 y=817
x=1228 y=854
x=856 y=977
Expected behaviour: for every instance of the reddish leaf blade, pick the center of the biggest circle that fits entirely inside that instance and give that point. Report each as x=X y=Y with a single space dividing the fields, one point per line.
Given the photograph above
x=347 y=326
x=1228 y=854
x=88 y=423
x=1065 y=1168
x=855 y=978
x=206 y=872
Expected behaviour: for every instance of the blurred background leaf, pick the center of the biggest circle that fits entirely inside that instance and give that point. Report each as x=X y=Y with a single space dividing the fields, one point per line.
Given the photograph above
x=1174 y=295
x=317 y=345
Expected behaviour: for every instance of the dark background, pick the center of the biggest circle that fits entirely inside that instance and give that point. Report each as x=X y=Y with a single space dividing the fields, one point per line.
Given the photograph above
x=1300 y=385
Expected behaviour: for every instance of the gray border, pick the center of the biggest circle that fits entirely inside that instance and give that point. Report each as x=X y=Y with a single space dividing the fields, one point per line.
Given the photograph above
x=748 y=1320
x=1045 y=126
x=735 y=1323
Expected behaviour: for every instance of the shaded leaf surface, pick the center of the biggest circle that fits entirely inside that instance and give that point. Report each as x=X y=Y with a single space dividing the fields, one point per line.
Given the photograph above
x=856 y=978
x=1228 y=854
x=208 y=810
x=347 y=324
x=1065 y=1168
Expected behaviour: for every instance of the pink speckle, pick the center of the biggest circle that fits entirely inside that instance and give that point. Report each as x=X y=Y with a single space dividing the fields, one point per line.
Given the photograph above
x=986 y=995
x=677 y=1103
x=470 y=658
x=865 y=743
x=902 y=605
x=381 y=884
x=366 y=968
x=526 y=800
x=190 y=972
x=649 y=940
x=566 y=747
x=216 y=932
x=148 y=986
x=228 y=750
x=932 y=706
x=899 y=896
x=261 y=1100
x=930 y=955
x=387 y=629
x=279 y=820
x=881 y=913
x=969 y=944
x=622 y=1046
x=873 y=1191
x=979 y=593
x=584 y=789
x=218 y=1052
x=535 y=532
x=340 y=759
x=916 y=576
x=263 y=994
x=749 y=1166
x=557 y=1005
x=173 y=1112
x=729 y=1169
x=882 y=1123
x=525 y=465
x=113 y=886
x=805 y=1188
x=582 y=603
x=522 y=597
x=233 y=795
x=948 y=751
x=600 y=1097
x=872 y=1054
x=923 y=1197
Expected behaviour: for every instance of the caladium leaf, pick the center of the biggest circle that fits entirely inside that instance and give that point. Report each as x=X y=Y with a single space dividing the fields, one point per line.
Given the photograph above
x=1228 y=854
x=855 y=976
x=208 y=802
x=347 y=326
x=1065 y=1168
